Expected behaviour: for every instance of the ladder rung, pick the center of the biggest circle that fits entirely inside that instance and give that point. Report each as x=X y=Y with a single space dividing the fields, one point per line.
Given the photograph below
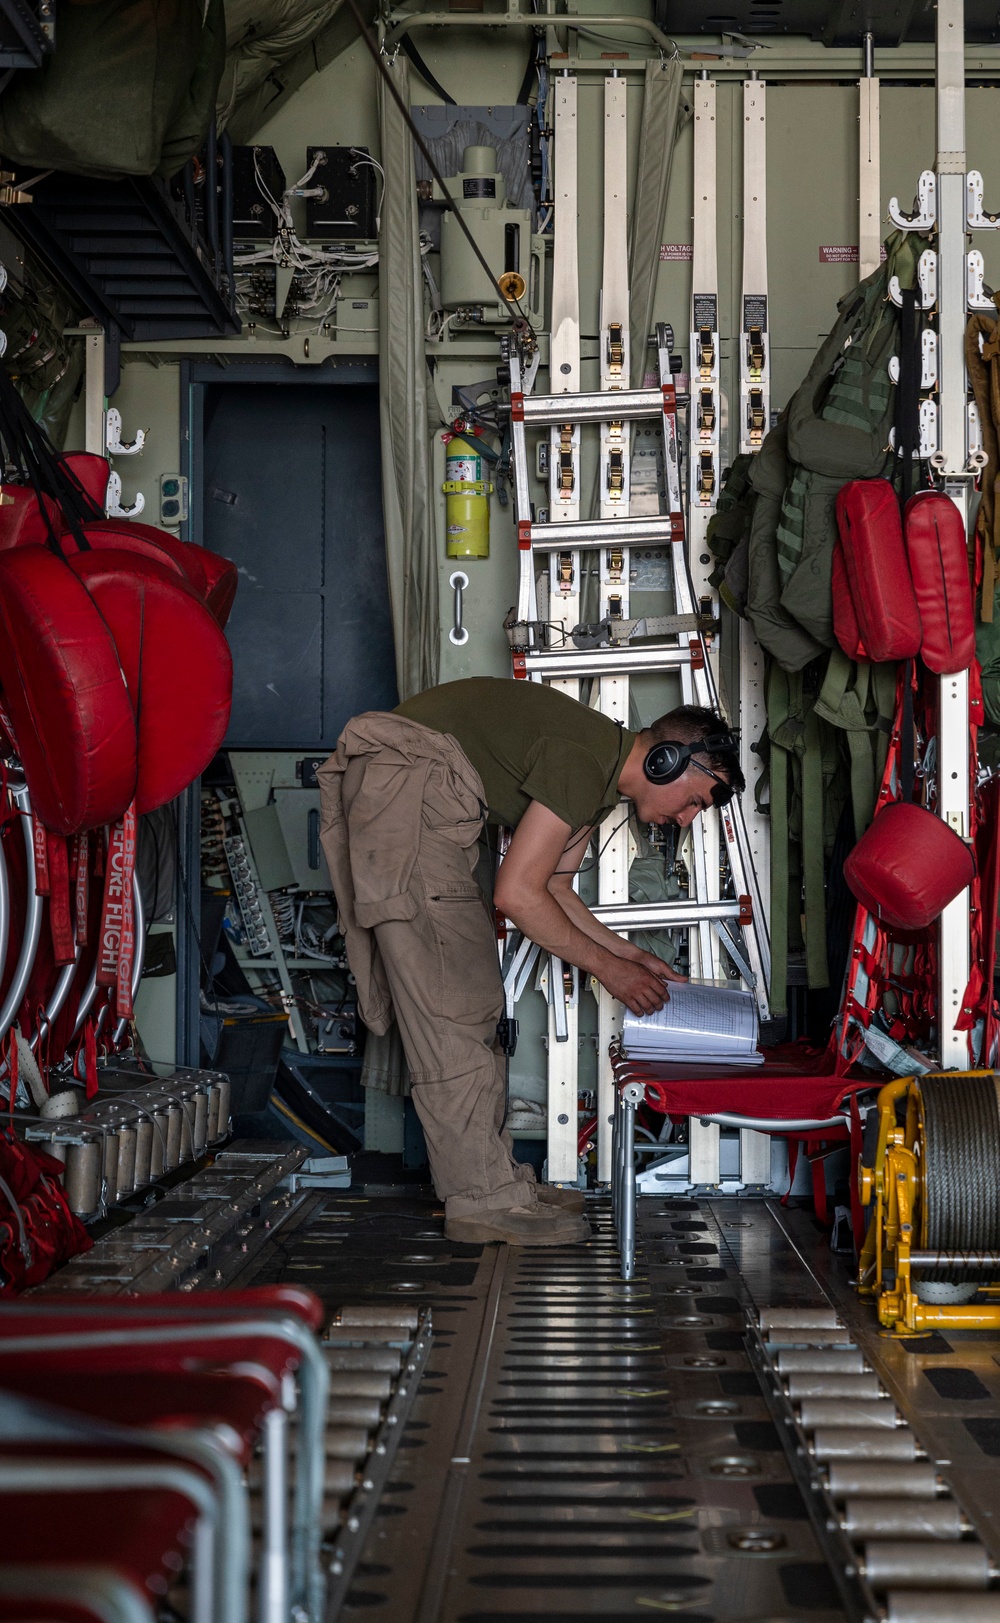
x=657 y=915
x=611 y=405
x=656 y=531
x=607 y=661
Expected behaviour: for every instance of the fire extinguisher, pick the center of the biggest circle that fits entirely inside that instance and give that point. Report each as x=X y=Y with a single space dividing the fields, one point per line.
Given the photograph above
x=467 y=493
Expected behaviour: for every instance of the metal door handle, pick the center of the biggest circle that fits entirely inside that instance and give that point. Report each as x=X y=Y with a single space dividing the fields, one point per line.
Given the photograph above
x=458 y=634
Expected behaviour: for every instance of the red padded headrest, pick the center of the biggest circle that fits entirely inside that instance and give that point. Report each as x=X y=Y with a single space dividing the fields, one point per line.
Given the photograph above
x=63 y=686
x=176 y=663
x=908 y=866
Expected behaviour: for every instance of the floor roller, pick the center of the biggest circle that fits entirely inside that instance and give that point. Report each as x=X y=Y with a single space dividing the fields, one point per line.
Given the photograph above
x=931 y=1256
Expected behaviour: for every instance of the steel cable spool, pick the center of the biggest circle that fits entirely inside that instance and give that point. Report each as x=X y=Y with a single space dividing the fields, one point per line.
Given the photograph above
x=960 y=1118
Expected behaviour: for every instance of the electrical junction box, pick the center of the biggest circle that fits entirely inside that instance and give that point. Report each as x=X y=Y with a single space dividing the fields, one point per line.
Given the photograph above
x=504 y=237
x=347 y=205
x=173 y=500
x=257 y=177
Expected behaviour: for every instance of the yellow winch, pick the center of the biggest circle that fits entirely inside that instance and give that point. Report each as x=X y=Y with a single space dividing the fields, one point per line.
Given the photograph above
x=931 y=1257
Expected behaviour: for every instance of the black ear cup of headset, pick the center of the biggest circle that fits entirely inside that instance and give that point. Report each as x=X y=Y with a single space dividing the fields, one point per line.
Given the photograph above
x=667 y=762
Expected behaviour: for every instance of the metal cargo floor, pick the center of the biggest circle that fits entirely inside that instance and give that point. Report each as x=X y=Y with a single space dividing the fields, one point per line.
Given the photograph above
x=580 y=1447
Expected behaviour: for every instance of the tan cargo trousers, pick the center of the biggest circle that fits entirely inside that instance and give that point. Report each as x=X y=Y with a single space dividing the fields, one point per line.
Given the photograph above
x=440 y=965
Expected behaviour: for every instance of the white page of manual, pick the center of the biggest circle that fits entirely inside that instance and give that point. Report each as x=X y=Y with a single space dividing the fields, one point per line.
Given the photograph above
x=700 y=1025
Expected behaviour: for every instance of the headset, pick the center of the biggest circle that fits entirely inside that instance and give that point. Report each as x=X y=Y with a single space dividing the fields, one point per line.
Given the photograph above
x=667 y=762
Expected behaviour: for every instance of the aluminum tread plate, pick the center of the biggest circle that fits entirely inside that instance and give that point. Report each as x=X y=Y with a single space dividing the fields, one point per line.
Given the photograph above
x=564 y=1459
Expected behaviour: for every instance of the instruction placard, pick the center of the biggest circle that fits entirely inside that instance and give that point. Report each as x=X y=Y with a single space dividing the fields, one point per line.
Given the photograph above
x=755 y=311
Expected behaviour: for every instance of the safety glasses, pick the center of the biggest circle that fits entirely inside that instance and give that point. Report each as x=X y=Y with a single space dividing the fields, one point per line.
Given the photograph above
x=723 y=790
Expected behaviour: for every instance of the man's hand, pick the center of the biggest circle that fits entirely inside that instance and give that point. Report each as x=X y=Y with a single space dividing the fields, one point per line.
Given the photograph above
x=656 y=966
x=641 y=989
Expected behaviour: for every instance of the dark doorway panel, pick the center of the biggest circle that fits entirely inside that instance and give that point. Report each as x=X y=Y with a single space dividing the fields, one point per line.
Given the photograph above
x=291 y=491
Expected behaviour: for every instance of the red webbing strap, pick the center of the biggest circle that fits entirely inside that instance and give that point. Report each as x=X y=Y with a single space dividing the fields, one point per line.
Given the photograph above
x=60 y=923
x=117 y=943
x=40 y=839
x=126 y=956
x=82 y=886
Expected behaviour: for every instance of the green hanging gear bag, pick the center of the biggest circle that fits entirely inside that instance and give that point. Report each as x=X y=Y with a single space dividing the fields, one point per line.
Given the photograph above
x=129 y=90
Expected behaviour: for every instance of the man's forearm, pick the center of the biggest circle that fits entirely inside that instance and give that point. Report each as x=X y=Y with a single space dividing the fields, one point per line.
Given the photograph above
x=541 y=918
x=579 y=914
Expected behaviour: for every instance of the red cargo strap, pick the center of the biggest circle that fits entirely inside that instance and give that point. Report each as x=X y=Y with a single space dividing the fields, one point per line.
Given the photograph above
x=116 y=949
x=60 y=923
x=82 y=886
x=41 y=843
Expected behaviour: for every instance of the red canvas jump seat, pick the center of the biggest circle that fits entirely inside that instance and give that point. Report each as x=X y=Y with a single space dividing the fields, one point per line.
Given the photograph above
x=226 y=1359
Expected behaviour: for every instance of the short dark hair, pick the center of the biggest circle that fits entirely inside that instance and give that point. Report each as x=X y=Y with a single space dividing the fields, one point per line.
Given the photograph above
x=686 y=725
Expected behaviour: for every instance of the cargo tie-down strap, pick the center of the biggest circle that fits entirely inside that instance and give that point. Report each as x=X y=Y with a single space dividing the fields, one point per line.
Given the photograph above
x=116 y=948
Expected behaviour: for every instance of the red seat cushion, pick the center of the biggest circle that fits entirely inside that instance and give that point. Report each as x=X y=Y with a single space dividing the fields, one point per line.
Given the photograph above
x=176 y=663
x=21 y=521
x=192 y=1399
x=80 y=1312
x=62 y=684
x=273 y=1353
x=130 y=1529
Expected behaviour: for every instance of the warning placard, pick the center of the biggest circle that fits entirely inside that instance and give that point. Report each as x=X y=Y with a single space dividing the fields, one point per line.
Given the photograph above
x=845 y=254
x=676 y=250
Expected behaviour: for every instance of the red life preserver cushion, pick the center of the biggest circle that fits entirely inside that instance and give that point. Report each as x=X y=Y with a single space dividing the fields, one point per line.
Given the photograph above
x=877 y=572
x=939 y=565
x=845 y=621
x=176 y=663
x=63 y=687
x=908 y=866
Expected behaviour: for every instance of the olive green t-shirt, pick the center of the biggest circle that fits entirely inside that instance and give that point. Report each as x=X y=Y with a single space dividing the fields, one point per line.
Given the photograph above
x=529 y=742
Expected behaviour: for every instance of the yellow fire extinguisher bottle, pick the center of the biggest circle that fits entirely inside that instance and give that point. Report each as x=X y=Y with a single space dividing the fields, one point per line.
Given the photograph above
x=467 y=496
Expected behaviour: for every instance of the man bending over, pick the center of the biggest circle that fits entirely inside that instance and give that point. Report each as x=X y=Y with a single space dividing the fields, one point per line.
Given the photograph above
x=405 y=798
